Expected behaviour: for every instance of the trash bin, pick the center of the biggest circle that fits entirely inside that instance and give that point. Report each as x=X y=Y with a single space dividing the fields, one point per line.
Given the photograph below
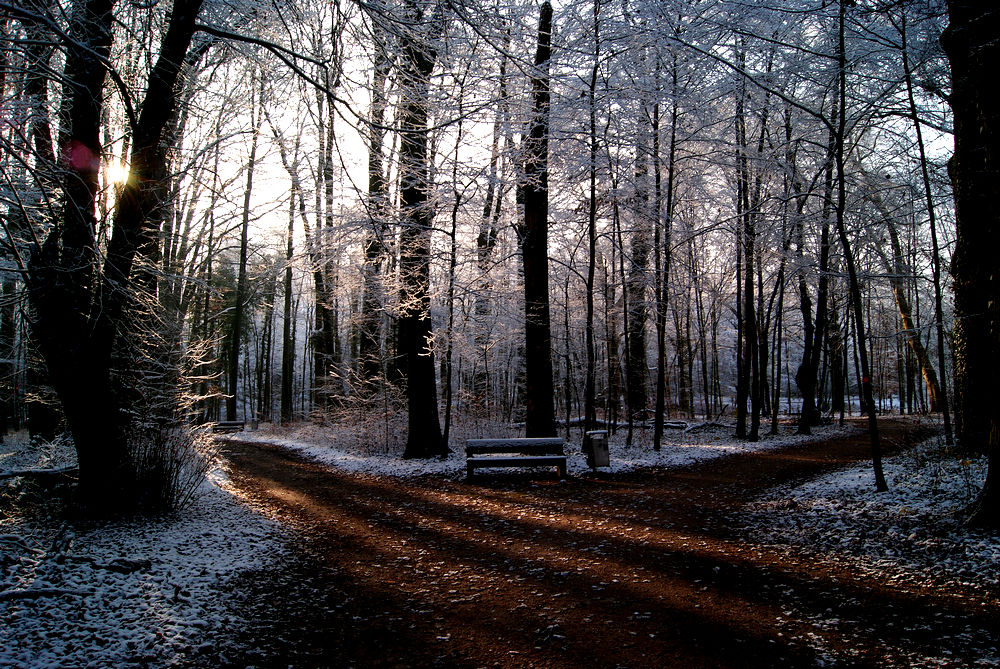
x=595 y=446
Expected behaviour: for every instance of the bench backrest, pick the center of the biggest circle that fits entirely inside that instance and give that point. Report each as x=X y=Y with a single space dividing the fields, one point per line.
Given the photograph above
x=528 y=446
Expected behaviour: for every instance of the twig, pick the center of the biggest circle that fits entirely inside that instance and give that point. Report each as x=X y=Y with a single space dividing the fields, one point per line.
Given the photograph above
x=39 y=473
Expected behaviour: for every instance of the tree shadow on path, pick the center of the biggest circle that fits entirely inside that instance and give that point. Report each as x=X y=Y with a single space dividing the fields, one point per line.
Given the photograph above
x=637 y=570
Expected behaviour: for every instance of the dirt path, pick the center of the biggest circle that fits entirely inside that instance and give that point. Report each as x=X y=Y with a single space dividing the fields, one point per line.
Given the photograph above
x=643 y=570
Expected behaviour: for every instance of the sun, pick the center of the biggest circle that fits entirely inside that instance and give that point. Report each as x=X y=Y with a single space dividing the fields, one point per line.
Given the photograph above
x=116 y=172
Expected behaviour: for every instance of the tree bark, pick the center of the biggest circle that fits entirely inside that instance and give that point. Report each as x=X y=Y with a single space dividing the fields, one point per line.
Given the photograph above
x=369 y=346
x=236 y=323
x=970 y=41
x=807 y=373
x=540 y=411
x=424 y=439
x=636 y=286
x=748 y=382
x=663 y=251
x=287 y=341
x=590 y=390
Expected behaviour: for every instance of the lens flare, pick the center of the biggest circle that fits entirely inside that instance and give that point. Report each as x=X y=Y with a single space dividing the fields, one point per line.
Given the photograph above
x=116 y=172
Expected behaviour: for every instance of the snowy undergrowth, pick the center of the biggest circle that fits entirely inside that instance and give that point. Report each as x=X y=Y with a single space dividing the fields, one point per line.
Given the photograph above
x=128 y=593
x=337 y=447
x=914 y=529
x=910 y=536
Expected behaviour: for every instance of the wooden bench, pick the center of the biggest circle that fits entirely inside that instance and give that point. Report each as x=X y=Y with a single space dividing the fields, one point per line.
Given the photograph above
x=532 y=452
x=228 y=426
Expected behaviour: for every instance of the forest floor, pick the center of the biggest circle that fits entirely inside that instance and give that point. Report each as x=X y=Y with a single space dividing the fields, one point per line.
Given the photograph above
x=313 y=546
x=663 y=567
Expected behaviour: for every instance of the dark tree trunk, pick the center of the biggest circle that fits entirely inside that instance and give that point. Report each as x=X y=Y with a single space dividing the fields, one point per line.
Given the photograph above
x=540 y=412
x=424 y=439
x=265 y=356
x=748 y=383
x=838 y=377
x=590 y=390
x=807 y=373
x=664 y=245
x=611 y=329
x=287 y=341
x=617 y=224
x=78 y=311
x=865 y=380
x=447 y=367
x=974 y=53
x=636 y=286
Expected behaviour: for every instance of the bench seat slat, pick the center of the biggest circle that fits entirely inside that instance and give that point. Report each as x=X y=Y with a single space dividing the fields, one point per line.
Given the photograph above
x=516 y=441
x=471 y=451
x=224 y=426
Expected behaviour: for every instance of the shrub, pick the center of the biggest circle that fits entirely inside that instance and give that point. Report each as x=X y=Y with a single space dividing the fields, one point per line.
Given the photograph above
x=170 y=464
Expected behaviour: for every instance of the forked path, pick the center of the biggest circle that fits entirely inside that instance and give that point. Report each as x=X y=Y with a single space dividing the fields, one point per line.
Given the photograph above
x=638 y=570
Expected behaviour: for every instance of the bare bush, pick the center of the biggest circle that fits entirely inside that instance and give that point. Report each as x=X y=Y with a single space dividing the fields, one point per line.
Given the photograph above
x=170 y=464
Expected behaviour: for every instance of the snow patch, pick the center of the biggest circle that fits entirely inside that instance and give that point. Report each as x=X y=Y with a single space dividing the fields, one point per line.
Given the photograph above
x=910 y=536
x=128 y=593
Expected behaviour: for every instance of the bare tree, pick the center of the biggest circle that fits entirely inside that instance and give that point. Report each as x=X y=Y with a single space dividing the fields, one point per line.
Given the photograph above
x=80 y=300
x=540 y=419
x=419 y=55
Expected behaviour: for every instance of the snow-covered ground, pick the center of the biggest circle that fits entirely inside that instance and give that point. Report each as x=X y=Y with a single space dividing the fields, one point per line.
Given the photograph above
x=681 y=446
x=151 y=593
x=913 y=531
x=910 y=536
x=130 y=593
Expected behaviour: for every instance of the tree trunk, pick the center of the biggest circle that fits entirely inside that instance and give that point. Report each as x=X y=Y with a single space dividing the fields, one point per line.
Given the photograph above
x=590 y=390
x=867 y=400
x=807 y=374
x=287 y=340
x=265 y=356
x=540 y=413
x=636 y=286
x=424 y=439
x=897 y=271
x=447 y=366
x=236 y=324
x=369 y=345
x=75 y=323
x=974 y=54
x=748 y=384
x=664 y=242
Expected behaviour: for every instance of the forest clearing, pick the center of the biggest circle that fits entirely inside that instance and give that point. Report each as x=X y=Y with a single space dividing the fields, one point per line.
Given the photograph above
x=779 y=555
x=268 y=268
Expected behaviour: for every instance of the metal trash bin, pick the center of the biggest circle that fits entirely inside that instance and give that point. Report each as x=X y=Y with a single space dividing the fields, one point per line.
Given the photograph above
x=595 y=446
